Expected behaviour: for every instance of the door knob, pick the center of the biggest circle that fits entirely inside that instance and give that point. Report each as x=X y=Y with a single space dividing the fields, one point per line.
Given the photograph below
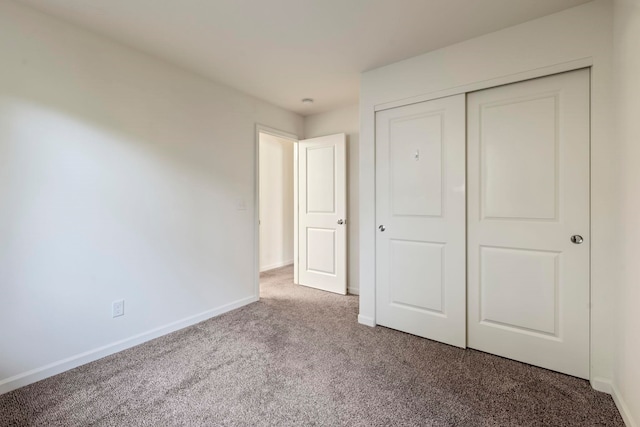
x=340 y=221
x=382 y=228
x=577 y=239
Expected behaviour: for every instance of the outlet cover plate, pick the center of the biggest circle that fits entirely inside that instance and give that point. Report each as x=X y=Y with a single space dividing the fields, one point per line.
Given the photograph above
x=117 y=308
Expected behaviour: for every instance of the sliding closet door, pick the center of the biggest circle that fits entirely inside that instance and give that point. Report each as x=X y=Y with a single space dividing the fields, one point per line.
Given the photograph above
x=528 y=221
x=420 y=211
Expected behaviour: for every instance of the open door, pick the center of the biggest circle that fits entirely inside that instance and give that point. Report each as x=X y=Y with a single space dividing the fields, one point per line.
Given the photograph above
x=322 y=213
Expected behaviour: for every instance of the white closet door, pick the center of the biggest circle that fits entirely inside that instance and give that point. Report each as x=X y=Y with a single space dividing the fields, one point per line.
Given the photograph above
x=322 y=210
x=420 y=210
x=528 y=194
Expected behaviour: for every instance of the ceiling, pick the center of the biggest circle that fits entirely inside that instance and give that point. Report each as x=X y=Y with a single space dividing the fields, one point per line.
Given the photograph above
x=286 y=50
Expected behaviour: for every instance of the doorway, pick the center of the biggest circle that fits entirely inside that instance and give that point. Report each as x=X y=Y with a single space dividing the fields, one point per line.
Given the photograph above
x=301 y=208
x=276 y=237
x=276 y=205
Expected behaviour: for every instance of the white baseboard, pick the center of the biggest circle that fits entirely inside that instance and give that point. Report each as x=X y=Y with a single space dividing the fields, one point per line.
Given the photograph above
x=622 y=407
x=60 y=366
x=276 y=265
x=601 y=384
x=366 y=320
x=353 y=291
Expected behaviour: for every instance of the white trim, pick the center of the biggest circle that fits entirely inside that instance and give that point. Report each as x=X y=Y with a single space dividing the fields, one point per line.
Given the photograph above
x=256 y=200
x=63 y=365
x=625 y=413
x=601 y=384
x=486 y=84
x=365 y=320
x=276 y=265
x=296 y=256
x=275 y=132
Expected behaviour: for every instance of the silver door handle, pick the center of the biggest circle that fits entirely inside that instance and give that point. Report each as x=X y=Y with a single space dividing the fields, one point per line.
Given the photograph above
x=341 y=221
x=577 y=239
x=382 y=228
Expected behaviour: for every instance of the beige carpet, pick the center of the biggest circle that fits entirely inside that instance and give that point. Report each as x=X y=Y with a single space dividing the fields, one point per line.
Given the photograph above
x=298 y=357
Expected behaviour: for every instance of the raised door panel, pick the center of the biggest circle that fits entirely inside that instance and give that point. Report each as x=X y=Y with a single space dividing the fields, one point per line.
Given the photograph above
x=519 y=158
x=519 y=289
x=321 y=250
x=321 y=179
x=417 y=274
x=416 y=165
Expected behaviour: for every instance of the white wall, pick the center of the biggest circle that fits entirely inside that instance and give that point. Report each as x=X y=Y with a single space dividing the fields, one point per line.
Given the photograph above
x=276 y=202
x=627 y=79
x=120 y=177
x=575 y=37
x=344 y=120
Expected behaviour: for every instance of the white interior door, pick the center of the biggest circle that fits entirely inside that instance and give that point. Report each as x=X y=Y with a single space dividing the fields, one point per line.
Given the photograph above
x=420 y=210
x=322 y=213
x=528 y=194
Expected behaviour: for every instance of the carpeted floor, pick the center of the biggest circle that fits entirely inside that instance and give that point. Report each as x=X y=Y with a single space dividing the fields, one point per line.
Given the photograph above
x=298 y=357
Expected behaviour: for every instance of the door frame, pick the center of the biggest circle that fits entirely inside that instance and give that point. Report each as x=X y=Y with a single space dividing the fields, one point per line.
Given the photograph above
x=259 y=128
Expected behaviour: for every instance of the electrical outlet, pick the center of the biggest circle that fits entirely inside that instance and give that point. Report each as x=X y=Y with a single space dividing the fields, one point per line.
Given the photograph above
x=117 y=308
